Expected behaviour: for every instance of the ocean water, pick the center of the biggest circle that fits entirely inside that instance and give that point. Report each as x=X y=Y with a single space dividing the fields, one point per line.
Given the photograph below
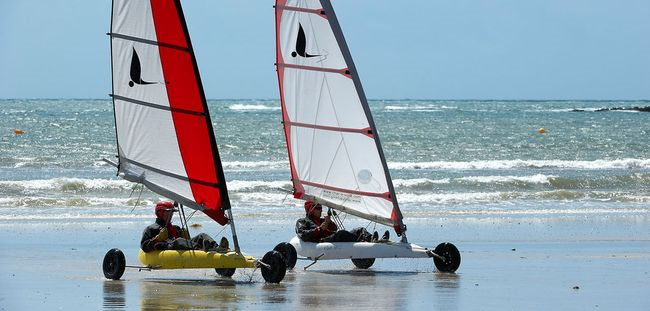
x=446 y=158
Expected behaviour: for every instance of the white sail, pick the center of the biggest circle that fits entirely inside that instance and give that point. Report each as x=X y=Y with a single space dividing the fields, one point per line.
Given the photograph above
x=334 y=150
x=164 y=133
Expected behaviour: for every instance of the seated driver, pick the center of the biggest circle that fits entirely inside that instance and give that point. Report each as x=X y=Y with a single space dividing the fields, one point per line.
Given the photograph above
x=163 y=235
x=314 y=228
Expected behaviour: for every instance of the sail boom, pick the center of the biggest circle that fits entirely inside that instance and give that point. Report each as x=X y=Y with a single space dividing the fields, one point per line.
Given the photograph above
x=146 y=41
x=152 y=105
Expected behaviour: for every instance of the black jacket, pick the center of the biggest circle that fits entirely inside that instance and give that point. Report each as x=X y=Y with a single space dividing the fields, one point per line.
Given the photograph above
x=147 y=243
x=308 y=230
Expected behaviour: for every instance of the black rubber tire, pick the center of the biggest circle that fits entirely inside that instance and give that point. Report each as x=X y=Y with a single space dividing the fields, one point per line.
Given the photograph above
x=278 y=268
x=114 y=264
x=289 y=254
x=451 y=255
x=363 y=263
x=225 y=272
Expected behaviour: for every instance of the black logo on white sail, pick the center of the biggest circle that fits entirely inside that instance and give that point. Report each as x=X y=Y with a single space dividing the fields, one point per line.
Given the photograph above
x=301 y=44
x=136 y=71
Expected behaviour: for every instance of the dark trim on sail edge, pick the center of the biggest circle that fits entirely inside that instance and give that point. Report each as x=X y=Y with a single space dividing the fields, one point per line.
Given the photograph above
x=161 y=107
x=147 y=41
x=117 y=142
x=168 y=174
x=221 y=179
x=347 y=56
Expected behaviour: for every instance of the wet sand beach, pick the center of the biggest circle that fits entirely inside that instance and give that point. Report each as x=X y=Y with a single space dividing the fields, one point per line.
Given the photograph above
x=512 y=263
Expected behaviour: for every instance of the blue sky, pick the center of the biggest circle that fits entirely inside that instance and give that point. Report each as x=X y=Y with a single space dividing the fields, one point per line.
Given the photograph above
x=423 y=49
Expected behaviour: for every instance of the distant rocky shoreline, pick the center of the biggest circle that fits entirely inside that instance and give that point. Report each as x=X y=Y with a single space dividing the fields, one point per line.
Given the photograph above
x=640 y=109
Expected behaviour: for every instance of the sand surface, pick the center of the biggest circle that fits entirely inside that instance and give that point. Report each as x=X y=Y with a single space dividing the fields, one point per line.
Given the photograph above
x=562 y=263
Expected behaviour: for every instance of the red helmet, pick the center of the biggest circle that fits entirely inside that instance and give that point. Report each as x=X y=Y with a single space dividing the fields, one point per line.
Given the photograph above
x=309 y=205
x=162 y=207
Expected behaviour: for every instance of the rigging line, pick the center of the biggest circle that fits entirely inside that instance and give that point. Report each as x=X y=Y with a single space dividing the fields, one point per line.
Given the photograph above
x=137 y=202
x=320 y=94
x=343 y=141
x=157 y=106
x=192 y=214
x=313 y=133
x=184 y=221
x=343 y=137
x=329 y=170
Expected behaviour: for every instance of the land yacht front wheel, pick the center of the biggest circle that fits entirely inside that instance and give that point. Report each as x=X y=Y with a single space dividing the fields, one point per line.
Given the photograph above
x=225 y=272
x=274 y=267
x=114 y=264
x=450 y=260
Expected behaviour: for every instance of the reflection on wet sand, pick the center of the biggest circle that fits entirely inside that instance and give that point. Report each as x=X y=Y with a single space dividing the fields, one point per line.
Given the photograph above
x=341 y=289
x=114 y=295
x=174 y=294
x=446 y=291
x=344 y=289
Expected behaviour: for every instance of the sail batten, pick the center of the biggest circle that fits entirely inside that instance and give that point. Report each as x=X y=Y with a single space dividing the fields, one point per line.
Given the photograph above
x=151 y=42
x=152 y=105
x=164 y=132
x=324 y=109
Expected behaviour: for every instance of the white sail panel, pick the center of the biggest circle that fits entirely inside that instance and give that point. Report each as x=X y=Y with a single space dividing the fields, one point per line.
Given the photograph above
x=164 y=133
x=333 y=148
x=145 y=134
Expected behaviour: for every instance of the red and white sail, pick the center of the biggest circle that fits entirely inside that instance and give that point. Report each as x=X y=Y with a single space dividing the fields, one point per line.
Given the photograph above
x=334 y=150
x=164 y=133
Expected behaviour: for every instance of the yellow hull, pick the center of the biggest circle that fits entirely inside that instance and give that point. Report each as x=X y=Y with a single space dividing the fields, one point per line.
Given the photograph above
x=173 y=259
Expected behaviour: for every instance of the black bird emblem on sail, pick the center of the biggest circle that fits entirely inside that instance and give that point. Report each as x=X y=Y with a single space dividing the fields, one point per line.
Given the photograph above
x=136 y=71
x=301 y=44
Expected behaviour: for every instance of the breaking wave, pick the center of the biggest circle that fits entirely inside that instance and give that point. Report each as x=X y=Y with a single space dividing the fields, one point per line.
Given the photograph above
x=243 y=107
x=534 y=164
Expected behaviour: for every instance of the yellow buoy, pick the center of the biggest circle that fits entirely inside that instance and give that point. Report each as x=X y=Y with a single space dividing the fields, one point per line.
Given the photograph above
x=18 y=132
x=541 y=130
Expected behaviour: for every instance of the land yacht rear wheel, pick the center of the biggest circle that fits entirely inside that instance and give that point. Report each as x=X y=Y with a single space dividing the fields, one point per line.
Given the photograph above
x=363 y=263
x=451 y=257
x=288 y=253
x=114 y=264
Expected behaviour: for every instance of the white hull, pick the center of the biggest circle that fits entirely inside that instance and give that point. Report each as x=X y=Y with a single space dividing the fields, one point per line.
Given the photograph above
x=353 y=250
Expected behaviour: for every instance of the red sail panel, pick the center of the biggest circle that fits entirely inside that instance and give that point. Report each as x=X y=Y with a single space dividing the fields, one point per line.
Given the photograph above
x=195 y=139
